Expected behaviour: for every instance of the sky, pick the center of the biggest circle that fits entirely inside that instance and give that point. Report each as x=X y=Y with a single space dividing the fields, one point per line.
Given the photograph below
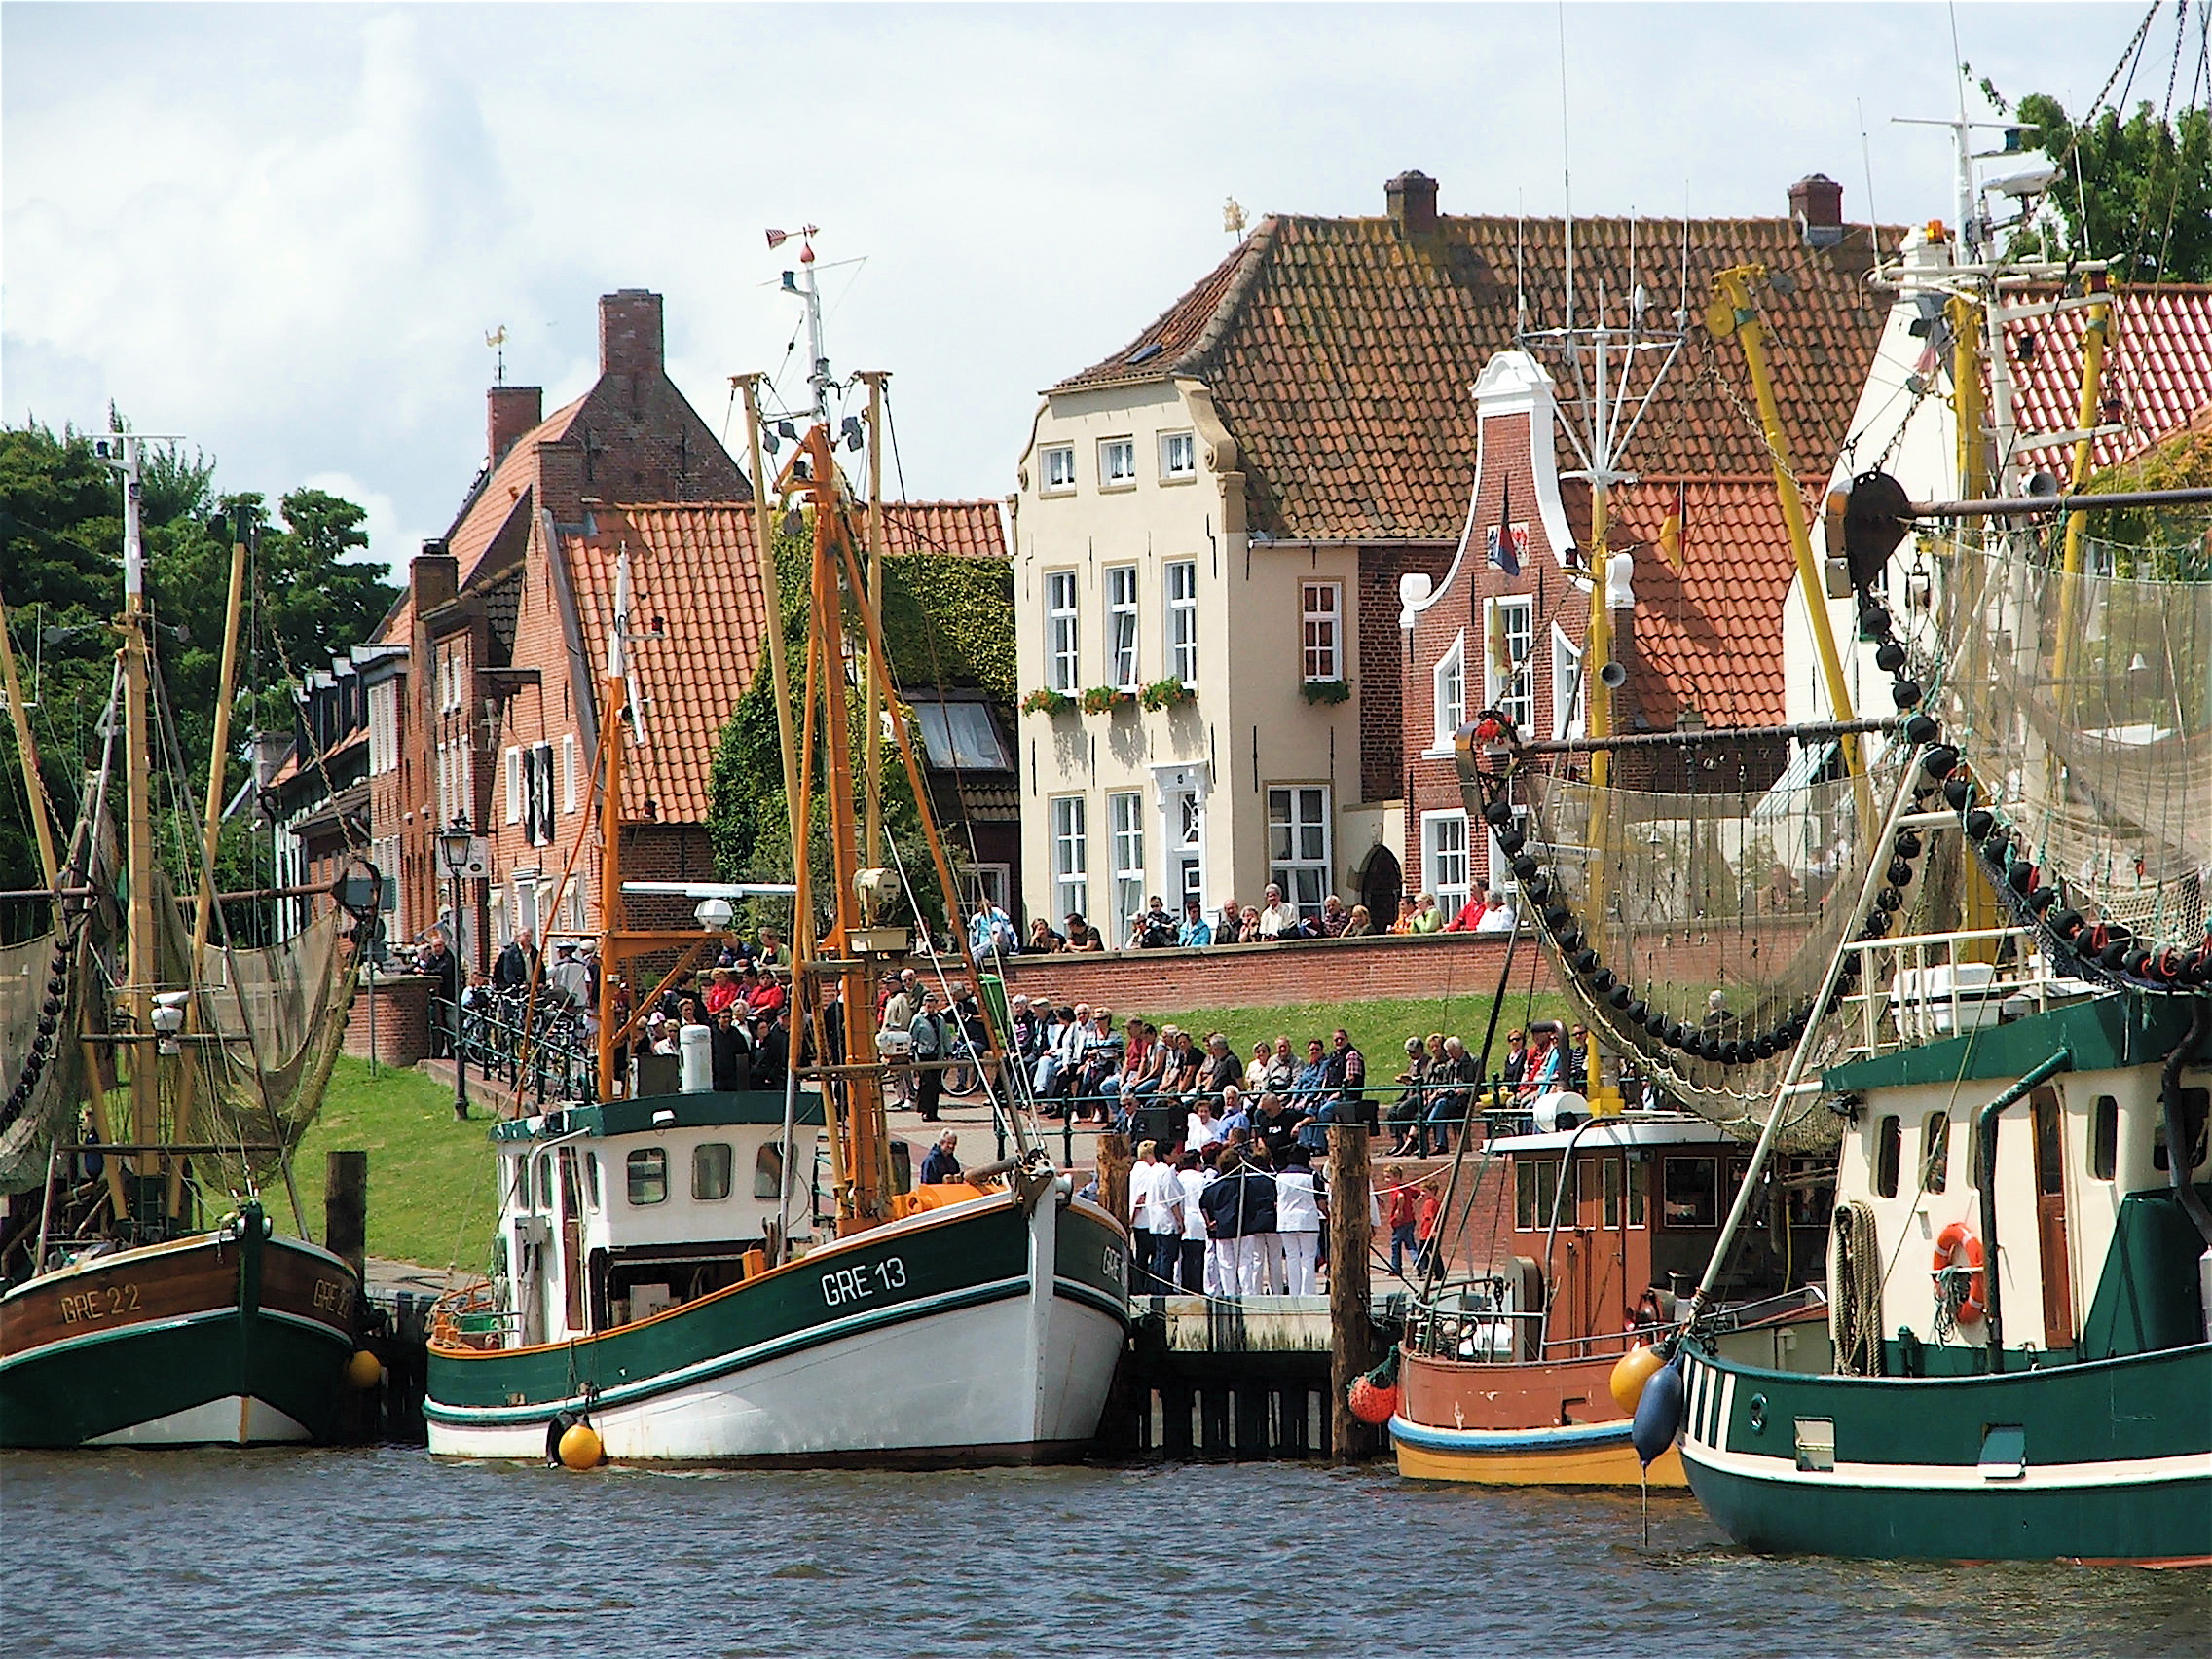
x=283 y=230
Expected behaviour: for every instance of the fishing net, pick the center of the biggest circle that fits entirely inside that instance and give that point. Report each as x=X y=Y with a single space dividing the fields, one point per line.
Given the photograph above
x=1716 y=907
x=47 y=1112
x=2082 y=705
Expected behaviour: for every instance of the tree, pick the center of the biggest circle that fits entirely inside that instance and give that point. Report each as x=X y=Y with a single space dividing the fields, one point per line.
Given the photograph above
x=2137 y=193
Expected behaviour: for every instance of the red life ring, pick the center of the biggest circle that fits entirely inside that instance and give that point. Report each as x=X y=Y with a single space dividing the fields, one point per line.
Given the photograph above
x=1955 y=1240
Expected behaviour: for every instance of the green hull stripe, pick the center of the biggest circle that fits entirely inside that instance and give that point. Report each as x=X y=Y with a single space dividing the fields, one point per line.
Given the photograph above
x=1076 y=1291
x=739 y=1360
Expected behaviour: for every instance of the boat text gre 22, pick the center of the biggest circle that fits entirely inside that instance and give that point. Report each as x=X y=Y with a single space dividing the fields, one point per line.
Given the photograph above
x=99 y=1303
x=858 y=1284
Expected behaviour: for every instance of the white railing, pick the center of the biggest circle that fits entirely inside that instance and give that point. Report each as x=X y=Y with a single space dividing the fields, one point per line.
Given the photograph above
x=1924 y=988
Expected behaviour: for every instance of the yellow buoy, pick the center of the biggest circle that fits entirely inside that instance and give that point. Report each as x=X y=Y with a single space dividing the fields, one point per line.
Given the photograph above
x=580 y=1446
x=1631 y=1375
x=364 y=1371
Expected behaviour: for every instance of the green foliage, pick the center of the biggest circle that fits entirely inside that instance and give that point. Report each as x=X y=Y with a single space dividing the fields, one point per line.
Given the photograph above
x=61 y=569
x=1166 y=694
x=1046 y=701
x=947 y=622
x=1326 y=692
x=1100 y=699
x=2164 y=544
x=2137 y=191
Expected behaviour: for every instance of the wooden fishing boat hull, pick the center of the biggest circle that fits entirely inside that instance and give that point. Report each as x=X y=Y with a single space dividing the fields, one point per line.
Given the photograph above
x=986 y=1332
x=1503 y=1423
x=235 y=1337
x=2103 y=1460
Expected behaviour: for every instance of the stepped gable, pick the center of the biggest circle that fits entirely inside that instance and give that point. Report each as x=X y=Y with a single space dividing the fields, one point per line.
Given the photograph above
x=2158 y=370
x=1339 y=353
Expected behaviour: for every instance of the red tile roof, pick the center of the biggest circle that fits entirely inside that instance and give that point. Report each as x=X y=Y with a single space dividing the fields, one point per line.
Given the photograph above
x=489 y=509
x=1339 y=353
x=2158 y=371
x=695 y=565
x=1711 y=634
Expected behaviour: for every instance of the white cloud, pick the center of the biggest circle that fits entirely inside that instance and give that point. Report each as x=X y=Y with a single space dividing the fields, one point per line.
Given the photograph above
x=285 y=229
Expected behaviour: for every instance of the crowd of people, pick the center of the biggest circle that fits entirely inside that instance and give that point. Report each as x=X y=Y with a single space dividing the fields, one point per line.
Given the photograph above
x=991 y=932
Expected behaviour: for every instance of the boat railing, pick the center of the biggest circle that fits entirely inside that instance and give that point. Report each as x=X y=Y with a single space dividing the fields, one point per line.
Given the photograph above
x=1503 y=1336
x=470 y=1318
x=1923 y=987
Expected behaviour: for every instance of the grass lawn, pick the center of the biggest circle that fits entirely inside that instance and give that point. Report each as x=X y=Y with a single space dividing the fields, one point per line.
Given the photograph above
x=430 y=1178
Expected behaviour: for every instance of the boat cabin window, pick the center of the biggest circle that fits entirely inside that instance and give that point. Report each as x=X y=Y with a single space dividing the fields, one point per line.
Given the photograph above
x=1535 y=1189
x=769 y=1172
x=710 y=1164
x=1889 y=1152
x=901 y=1167
x=1936 y=1152
x=649 y=1175
x=590 y=1178
x=2193 y=1115
x=518 y=1180
x=1689 y=1191
x=544 y=1184
x=2104 y=1138
x=1610 y=1193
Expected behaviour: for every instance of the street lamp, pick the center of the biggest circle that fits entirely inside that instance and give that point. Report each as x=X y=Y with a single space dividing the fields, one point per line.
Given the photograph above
x=453 y=846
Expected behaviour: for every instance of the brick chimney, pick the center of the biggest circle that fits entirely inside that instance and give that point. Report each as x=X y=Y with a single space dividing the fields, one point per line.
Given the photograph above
x=1816 y=204
x=509 y=412
x=433 y=577
x=629 y=332
x=1412 y=198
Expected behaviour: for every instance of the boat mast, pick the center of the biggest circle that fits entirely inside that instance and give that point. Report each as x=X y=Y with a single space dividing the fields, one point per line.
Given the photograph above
x=138 y=819
x=614 y=709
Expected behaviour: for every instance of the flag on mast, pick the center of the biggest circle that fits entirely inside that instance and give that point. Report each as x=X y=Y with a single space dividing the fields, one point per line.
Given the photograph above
x=1505 y=543
x=1671 y=527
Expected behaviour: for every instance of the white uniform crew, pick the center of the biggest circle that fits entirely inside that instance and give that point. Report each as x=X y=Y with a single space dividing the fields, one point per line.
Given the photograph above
x=1297 y=1226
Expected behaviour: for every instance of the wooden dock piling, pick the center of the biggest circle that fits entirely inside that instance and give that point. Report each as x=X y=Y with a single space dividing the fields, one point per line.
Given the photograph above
x=346 y=1206
x=1352 y=1322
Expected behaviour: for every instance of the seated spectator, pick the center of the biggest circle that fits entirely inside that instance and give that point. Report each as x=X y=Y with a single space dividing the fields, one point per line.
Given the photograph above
x=1282 y=1068
x=1256 y=1074
x=1334 y=917
x=1359 y=925
x=1043 y=940
x=1516 y=1057
x=1219 y=1069
x=1249 y=931
x=1195 y=929
x=767 y=996
x=1235 y=1119
x=1346 y=1081
x=1027 y=1035
x=941 y=1166
x=771 y=1050
x=1275 y=916
x=991 y=932
x=1427 y=918
x=1450 y=1083
x=1309 y=1084
x=1782 y=890
x=1204 y=1127
x=1144 y=1071
x=722 y=990
x=1575 y=1069
x=1051 y=1076
x=1229 y=927
x=1153 y=929
x=1405 y=909
x=1275 y=1127
x=1545 y=1062
x=1082 y=936
x=1499 y=917
x=1101 y=1079
x=1406 y=1114
x=660 y=1034
x=769 y=953
x=1470 y=914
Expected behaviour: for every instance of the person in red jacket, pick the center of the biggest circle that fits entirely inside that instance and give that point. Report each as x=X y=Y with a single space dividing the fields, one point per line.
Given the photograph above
x=1404 y=1212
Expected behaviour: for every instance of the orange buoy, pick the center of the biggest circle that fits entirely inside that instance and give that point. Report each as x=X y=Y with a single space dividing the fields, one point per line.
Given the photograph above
x=364 y=1371
x=1632 y=1372
x=1372 y=1401
x=580 y=1446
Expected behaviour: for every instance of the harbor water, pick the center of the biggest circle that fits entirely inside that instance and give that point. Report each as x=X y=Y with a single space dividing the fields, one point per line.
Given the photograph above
x=379 y=1551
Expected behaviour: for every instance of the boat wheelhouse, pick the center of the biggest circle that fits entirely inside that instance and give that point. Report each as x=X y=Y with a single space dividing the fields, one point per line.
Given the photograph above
x=1610 y=1221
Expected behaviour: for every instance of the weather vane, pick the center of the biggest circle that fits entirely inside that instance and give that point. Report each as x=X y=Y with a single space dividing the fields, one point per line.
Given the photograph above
x=496 y=339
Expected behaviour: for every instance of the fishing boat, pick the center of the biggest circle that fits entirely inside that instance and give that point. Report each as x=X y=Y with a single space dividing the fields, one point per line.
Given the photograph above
x=2021 y=1264
x=131 y=1314
x=667 y=1285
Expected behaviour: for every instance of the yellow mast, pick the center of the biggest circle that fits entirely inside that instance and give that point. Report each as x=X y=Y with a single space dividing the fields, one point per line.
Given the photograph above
x=2093 y=343
x=139 y=968
x=879 y=672
x=26 y=756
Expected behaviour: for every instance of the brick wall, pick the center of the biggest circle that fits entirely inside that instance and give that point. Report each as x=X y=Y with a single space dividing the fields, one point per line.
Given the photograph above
x=1382 y=663
x=1250 y=975
x=402 y=1018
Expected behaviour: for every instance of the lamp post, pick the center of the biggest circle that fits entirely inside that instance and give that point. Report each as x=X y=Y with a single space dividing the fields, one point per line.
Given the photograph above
x=454 y=844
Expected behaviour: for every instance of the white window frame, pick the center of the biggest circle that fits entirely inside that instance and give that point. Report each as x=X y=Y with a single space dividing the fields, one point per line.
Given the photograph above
x=384 y=727
x=1071 y=858
x=1450 y=667
x=1063 y=633
x=1121 y=630
x=568 y=758
x=1501 y=876
x=1117 y=463
x=514 y=784
x=1516 y=701
x=1178 y=457
x=538 y=774
x=1179 y=583
x=1321 y=631
x=1446 y=858
x=1055 y=469
x=1570 y=710
x=1298 y=819
x=1125 y=818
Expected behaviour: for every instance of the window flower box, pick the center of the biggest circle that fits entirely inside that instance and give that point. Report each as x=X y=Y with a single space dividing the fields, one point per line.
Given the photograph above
x=1103 y=699
x=1046 y=702
x=1320 y=691
x=1166 y=694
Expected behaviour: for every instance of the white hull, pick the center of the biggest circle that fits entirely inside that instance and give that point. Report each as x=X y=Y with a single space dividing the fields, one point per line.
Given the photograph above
x=235 y=1419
